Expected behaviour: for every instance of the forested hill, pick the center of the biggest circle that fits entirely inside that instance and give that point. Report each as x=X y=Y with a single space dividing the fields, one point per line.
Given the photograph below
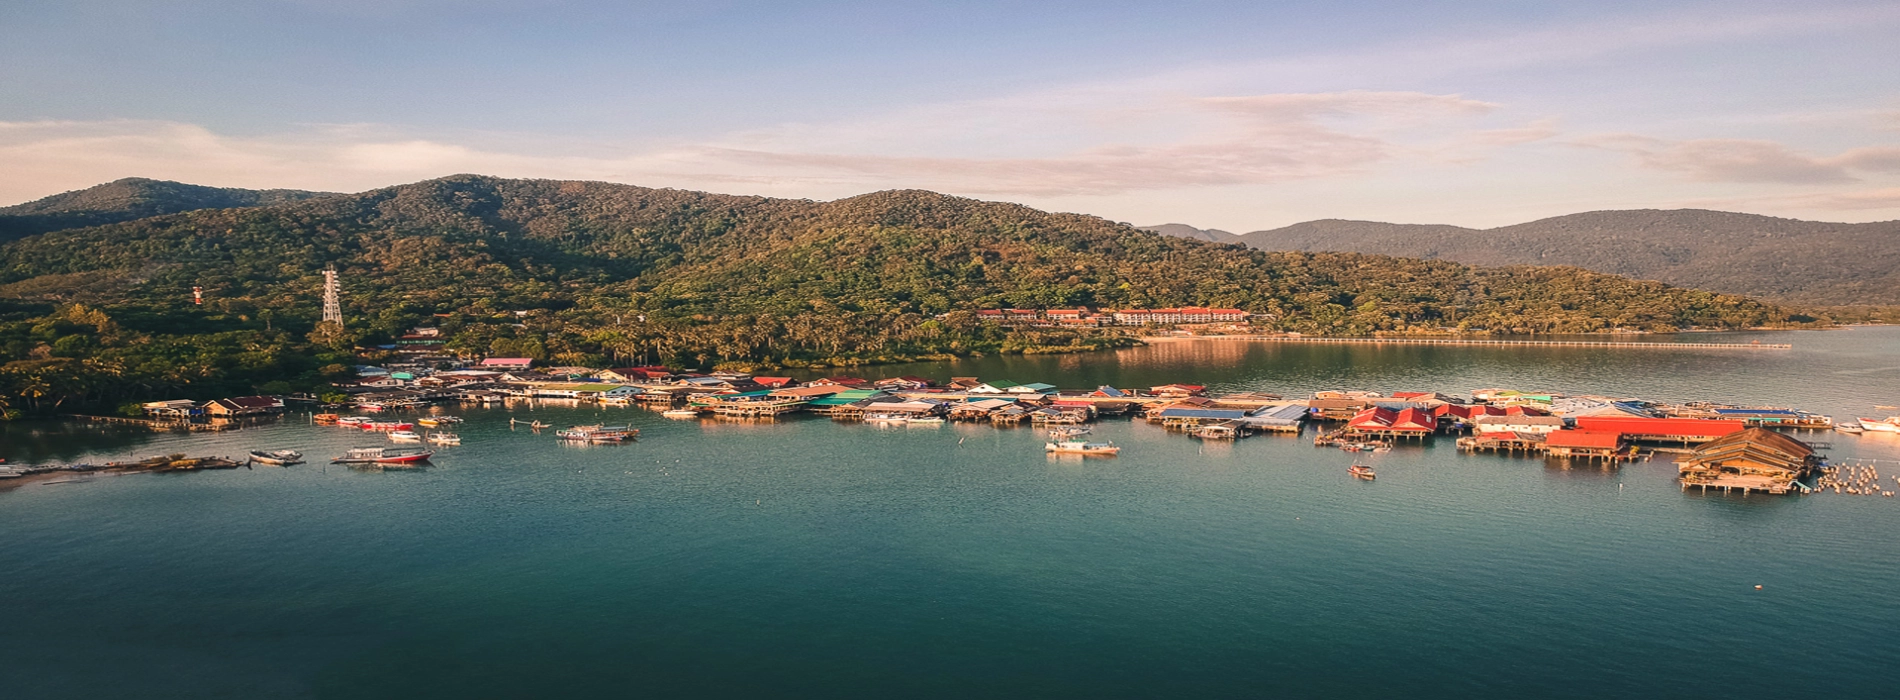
x=1788 y=260
x=587 y=273
x=128 y=199
x=467 y=241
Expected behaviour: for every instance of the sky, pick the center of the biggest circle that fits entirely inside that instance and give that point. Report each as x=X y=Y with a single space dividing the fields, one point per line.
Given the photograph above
x=1232 y=115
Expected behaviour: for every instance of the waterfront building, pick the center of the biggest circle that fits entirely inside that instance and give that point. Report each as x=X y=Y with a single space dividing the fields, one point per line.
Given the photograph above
x=1584 y=443
x=244 y=406
x=177 y=408
x=1682 y=430
x=1752 y=459
x=505 y=364
x=1521 y=424
x=1387 y=422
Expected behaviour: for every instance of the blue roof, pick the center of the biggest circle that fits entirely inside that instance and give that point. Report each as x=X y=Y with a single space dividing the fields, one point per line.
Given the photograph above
x=1036 y=387
x=1279 y=415
x=1757 y=412
x=1107 y=390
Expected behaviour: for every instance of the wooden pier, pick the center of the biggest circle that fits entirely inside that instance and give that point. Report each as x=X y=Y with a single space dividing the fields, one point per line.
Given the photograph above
x=1489 y=343
x=186 y=426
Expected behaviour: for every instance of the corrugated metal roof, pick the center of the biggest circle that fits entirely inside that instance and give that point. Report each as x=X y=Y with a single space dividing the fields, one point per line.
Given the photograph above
x=1213 y=413
x=1290 y=413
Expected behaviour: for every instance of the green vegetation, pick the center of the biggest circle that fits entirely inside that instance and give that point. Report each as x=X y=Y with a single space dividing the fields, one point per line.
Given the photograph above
x=1785 y=260
x=597 y=274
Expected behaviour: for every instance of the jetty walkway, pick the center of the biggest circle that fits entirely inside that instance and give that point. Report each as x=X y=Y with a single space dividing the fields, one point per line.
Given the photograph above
x=1482 y=342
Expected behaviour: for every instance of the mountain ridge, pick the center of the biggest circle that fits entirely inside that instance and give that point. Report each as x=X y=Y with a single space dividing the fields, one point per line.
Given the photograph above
x=131 y=198
x=1781 y=259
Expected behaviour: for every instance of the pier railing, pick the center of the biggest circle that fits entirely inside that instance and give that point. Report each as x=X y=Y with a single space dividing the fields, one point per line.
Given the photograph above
x=1494 y=343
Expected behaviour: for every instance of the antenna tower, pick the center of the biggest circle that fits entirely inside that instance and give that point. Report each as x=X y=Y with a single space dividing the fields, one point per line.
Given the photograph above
x=332 y=309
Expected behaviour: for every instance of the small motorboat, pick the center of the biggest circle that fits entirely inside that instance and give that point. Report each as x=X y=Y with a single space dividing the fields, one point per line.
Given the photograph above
x=536 y=425
x=404 y=436
x=926 y=421
x=680 y=413
x=388 y=426
x=1069 y=432
x=1849 y=428
x=1361 y=471
x=1078 y=447
x=281 y=458
x=326 y=418
x=598 y=433
x=433 y=421
x=444 y=439
x=384 y=455
x=352 y=421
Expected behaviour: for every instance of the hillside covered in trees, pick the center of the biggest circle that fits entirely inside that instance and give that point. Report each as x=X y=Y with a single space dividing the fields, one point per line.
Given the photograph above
x=1812 y=263
x=127 y=199
x=597 y=273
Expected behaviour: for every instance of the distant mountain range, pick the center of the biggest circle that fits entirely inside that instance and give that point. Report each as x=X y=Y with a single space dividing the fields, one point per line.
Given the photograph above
x=128 y=199
x=1786 y=260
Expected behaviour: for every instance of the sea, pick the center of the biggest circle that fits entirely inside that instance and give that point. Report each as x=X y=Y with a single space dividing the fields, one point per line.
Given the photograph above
x=809 y=558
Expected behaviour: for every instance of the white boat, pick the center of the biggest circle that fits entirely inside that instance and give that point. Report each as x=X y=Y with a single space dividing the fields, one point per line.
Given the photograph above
x=598 y=433
x=924 y=421
x=277 y=457
x=1071 y=432
x=384 y=455
x=1881 y=425
x=353 y=421
x=1082 y=448
x=1850 y=428
x=404 y=436
x=680 y=413
x=444 y=439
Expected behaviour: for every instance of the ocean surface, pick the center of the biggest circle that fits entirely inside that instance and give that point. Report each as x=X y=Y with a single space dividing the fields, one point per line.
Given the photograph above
x=807 y=558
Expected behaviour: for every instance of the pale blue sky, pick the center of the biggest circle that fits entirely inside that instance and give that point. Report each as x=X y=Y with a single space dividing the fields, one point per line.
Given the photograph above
x=1236 y=115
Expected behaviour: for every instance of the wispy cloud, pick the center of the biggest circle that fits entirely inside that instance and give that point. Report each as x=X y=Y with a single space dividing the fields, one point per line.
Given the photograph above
x=1855 y=200
x=1178 y=143
x=1748 y=160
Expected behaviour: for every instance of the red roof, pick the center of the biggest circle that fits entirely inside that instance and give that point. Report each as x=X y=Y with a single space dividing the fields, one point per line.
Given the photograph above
x=1670 y=427
x=1382 y=418
x=772 y=381
x=1414 y=419
x=1524 y=411
x=1584 y=438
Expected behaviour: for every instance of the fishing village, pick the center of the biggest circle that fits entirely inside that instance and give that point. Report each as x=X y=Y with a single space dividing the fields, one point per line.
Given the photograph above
x=1714 y=447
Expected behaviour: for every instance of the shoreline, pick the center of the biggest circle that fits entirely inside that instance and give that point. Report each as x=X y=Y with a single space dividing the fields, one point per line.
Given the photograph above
x=1473 y=342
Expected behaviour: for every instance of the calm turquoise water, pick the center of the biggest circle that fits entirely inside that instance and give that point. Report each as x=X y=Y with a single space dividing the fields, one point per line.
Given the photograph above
x=806 y=558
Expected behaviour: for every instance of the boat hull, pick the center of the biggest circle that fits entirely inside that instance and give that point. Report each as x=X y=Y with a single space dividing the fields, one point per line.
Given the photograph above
x=1879 y=426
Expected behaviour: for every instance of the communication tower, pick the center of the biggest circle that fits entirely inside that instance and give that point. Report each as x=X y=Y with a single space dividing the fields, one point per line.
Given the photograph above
x=332 y=309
